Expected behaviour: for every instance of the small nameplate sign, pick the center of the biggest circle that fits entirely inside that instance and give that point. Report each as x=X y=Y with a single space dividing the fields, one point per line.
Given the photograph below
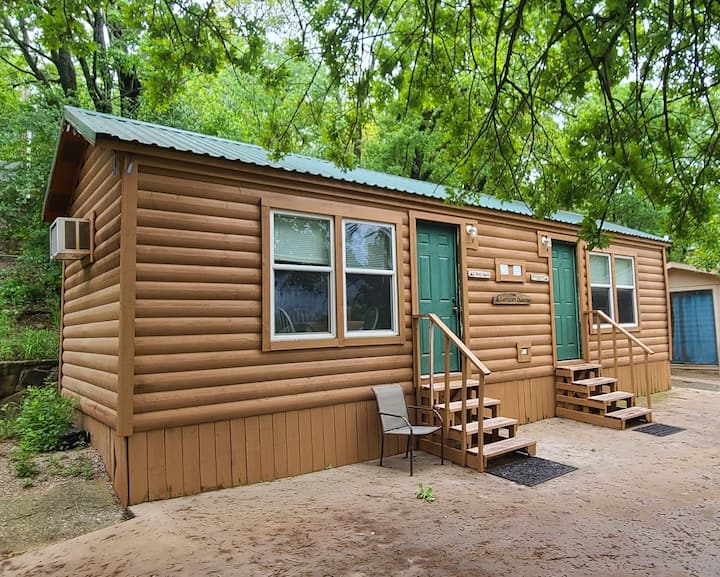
x=474 y=273
x=537 y=277
x=512 y=299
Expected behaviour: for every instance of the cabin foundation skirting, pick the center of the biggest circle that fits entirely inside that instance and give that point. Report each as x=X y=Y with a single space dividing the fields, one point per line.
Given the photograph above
x=185 y=460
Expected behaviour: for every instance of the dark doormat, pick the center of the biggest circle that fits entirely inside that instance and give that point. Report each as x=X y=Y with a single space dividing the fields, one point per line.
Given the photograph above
x=530 y=471
x=658 y=430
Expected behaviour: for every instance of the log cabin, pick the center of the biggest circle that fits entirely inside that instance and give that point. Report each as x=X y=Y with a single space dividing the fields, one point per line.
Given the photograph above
x=233 y=311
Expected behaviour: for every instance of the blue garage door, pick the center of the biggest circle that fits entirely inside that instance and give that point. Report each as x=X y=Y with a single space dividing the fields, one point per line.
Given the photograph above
x=693 y=323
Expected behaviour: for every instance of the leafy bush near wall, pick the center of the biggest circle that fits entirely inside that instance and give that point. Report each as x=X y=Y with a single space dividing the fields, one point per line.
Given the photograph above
x=44 y=417
x=26 y=343
x=39 y=426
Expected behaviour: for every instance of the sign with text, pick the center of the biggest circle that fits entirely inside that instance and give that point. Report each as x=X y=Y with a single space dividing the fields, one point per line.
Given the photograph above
x=512 y=299
x=475 y=273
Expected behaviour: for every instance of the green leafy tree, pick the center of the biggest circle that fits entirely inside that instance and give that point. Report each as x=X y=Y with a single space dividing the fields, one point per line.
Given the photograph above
x=563 y=105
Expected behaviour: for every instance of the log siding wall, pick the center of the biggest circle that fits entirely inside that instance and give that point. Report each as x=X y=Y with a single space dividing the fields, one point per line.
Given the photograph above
x=91 y=297
x=210 y=408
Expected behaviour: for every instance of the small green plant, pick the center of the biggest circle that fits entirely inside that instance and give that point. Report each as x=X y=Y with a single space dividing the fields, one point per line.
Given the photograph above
x=424 y=493
x=23 y=463
x=8 y=414
x=43 y=418
x=81 y=468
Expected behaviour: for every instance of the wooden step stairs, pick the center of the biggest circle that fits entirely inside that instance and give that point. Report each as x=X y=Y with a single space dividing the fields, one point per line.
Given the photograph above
x=583 y=394
x=499 y=433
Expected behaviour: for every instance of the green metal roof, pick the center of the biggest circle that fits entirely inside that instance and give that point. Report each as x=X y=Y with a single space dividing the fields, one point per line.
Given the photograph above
x=92 y=125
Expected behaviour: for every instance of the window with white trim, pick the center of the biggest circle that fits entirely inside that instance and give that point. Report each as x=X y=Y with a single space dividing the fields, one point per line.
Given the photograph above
x=613 y=287
x=302 y=281
x=601 y=283
x=304 y=271
x=625 y=289
x=370 y=278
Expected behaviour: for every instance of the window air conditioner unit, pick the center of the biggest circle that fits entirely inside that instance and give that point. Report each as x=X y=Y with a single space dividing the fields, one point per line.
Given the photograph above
x=69 y=238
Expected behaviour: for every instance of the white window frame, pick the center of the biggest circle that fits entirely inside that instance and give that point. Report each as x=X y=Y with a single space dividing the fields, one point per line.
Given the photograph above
x=300 y=336
x=614 y=311
x=611 y=292
x=394 y=330
x=633 y=287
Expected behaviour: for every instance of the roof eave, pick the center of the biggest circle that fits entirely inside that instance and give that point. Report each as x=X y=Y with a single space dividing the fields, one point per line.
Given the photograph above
x=65 y=168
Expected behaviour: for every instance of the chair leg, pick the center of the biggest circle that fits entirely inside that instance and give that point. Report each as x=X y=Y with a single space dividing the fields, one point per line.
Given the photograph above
x=442 y=445
x=407 y=447
x=382 y=447
x=410 y=444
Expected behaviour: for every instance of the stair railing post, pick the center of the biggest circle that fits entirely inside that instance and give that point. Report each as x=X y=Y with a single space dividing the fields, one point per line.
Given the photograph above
x=647 y=381
x=431 y=354
x=599 y=342
x=446 y=354
x=463 y=414
x=632 y=366
x=615 y=355
x=417 y=372
x=481 y=416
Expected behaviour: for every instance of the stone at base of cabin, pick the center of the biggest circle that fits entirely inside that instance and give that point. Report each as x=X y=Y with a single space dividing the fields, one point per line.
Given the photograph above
x=16 y=376
x=38 y=376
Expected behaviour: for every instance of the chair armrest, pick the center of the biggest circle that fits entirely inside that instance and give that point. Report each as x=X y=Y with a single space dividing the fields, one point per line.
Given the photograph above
x=427 y=410
x=397 y=417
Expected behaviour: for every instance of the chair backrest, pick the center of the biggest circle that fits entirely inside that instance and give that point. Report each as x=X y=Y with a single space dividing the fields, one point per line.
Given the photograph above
x=283 y=323
x=371 y=319
x=391 y=399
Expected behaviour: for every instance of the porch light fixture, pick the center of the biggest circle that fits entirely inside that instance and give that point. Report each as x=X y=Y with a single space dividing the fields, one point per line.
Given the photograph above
x=546 y=241
x=471 y=230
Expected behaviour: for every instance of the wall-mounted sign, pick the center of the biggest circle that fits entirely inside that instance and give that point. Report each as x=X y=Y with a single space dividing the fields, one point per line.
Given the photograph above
x=512 y=299
x=506 y=271
x=538 y=277
x=474 y=273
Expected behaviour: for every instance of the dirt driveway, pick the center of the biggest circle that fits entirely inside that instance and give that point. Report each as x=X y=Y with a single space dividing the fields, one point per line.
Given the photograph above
x=637 y=505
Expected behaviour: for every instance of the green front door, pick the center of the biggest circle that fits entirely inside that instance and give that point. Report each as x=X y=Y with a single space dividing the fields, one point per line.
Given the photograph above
x=565 y=298
x=437 y=289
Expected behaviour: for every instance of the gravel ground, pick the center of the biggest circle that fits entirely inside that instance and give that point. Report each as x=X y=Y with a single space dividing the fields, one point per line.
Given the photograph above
x=70 y=496
x=637 y=505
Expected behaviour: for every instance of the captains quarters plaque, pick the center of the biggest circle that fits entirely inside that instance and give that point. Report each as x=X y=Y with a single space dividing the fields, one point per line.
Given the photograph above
x=512 y=299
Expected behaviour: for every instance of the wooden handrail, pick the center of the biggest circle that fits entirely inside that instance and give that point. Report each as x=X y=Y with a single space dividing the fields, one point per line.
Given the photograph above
x=616 y=326
x=467 y=358
x=462 y=347
x=632 y=340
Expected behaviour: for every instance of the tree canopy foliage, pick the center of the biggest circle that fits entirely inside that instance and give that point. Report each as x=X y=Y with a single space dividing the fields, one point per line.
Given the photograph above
x=604 y=107
x=562 y=104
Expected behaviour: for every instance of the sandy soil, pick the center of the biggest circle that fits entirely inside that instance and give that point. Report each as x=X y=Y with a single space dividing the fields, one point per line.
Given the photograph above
x=638 y=505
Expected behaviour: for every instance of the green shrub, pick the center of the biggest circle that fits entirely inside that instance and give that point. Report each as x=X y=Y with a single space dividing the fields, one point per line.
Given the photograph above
x=8 y=415
x=43 y=418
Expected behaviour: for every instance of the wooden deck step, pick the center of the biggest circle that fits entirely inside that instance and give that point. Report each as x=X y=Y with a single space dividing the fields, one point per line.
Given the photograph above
x=569 y=370
x=630 y=413
x=498 y=448
x=612 y=397
x=488 y=425
x=595 y=381
x=454 y=385
x=456 y=406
